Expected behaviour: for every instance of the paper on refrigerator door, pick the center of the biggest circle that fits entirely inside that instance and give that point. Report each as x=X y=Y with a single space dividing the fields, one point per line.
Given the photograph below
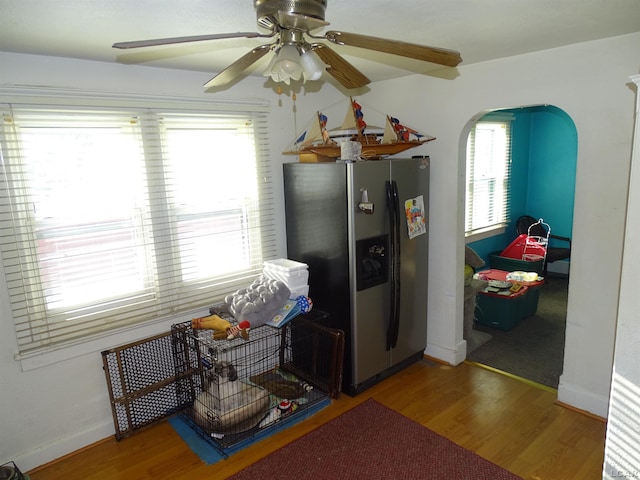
x=416 y=217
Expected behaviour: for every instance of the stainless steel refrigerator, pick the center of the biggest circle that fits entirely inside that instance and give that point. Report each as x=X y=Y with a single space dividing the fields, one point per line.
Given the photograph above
x=363 y=230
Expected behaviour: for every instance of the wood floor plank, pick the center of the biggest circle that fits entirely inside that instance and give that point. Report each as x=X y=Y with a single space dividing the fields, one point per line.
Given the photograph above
x=507 y=421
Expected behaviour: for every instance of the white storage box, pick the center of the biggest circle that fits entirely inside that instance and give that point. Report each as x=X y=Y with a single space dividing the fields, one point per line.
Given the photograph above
x=294 y=274
x=285 y=264
x=296 y=292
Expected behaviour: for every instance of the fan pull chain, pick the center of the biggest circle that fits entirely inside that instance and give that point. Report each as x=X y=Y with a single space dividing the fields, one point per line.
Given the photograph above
x=295 y=113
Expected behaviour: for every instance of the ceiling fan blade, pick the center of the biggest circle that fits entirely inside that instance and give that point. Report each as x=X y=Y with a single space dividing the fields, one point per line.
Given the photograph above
x=194 y=38
x=441 y=56
x=236 y=68
x=345 y=73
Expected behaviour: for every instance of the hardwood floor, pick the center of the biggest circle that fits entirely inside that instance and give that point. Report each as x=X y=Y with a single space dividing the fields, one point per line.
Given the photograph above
x=507 y=421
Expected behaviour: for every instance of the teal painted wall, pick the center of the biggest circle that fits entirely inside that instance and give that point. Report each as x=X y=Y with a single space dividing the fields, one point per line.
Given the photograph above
x=552 y=169
x=543 y=171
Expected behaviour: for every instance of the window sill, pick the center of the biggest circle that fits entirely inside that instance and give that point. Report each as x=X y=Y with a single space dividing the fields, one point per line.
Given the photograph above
x=492 y=232
x=122 y=336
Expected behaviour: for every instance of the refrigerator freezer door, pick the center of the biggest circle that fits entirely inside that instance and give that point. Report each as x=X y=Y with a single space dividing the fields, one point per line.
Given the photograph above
x=370 y=307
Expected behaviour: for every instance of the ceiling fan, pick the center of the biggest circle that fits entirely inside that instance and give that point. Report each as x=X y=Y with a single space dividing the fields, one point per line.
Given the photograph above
x=298 y=54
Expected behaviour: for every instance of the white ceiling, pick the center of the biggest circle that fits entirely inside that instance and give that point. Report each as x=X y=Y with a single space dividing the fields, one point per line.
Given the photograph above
x=480 y=30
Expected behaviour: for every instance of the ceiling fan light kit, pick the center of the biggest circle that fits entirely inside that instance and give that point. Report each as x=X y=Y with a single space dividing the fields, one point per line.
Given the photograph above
x=290 y=64
x=294 y=59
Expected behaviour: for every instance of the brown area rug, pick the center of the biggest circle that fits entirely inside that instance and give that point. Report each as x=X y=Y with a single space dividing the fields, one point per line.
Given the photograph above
x=373 y=442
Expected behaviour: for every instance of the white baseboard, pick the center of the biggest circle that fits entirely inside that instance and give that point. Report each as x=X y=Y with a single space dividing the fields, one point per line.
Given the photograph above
x=582 y=399
x=51 y=451
x=448 y=355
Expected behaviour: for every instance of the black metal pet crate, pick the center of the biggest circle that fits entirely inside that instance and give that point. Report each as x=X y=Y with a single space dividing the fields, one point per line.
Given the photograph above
x=228 y=390
x=238 y=388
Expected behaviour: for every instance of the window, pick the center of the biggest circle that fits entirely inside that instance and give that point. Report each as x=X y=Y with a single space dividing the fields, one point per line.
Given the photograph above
x=112 y=218
x=488 y=167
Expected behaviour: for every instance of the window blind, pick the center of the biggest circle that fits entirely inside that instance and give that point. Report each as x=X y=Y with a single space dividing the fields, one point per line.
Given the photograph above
x=488 y=176
x=109 y=218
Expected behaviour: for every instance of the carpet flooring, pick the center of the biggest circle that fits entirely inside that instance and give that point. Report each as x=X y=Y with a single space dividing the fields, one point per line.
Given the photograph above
x=534 y=349
x=373 y=442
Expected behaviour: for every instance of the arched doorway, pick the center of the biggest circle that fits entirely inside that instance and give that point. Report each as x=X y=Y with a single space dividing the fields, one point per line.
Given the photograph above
x=542 y=184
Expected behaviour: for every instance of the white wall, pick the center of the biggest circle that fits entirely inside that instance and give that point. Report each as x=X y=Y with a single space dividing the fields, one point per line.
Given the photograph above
x=53 y=410
x=622 y=452
x=589 y=82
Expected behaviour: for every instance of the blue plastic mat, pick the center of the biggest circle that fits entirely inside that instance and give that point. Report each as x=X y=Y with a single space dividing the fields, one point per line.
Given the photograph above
x=209 y=454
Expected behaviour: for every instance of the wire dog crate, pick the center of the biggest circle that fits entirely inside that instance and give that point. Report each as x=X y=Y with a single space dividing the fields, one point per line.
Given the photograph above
x=238 y=388
x=186 y=371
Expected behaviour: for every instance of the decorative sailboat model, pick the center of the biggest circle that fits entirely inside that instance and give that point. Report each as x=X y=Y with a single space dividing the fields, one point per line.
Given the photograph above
x=318 y=144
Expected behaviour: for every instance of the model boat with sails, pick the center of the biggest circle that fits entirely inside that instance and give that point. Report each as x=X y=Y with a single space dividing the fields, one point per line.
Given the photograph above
x=319 y=144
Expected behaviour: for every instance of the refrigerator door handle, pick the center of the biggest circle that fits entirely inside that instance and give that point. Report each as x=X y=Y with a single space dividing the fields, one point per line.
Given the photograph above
x=392 y=262
x=397 y=264
x=393 y=206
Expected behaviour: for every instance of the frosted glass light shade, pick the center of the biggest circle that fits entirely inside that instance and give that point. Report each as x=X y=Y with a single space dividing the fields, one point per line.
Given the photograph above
x=313 y=66
x=287 y=64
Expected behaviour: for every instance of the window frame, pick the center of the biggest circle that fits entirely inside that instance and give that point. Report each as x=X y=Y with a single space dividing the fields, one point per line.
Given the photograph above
x=55 y=352
x=497 y=227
